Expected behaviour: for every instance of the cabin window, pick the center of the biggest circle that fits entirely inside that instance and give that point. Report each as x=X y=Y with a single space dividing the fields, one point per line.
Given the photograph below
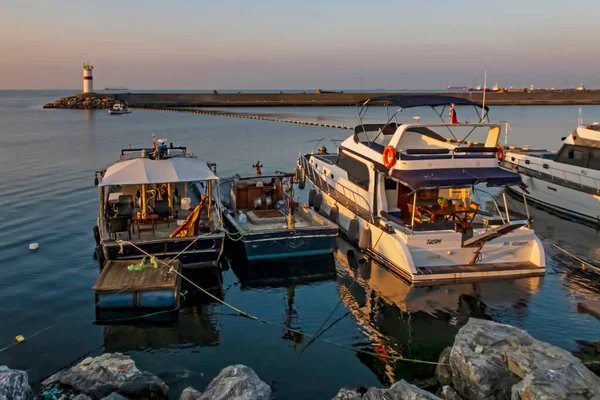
x=358 y=173
x=594 y=159
x=572 y=155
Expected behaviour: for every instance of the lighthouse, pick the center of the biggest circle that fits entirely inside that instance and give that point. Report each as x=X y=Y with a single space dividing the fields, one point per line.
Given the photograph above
x=88 y=79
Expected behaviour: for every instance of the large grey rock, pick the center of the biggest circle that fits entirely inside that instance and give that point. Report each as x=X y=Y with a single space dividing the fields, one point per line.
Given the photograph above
x=564 y=383
x=101 y=376
x=398 y=391
x=443 y=372
x=488 y=358
x=114 y=396
x=237 y=382
x=14 y=384
x=448 y=393
x=81 y=397
x=189 y=393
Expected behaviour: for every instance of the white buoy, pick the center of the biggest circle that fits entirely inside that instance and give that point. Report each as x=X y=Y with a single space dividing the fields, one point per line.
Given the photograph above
x=34 y=246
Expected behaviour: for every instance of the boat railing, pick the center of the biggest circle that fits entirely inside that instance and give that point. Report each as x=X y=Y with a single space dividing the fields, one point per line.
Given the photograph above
x=552 y=171
x=345 y=196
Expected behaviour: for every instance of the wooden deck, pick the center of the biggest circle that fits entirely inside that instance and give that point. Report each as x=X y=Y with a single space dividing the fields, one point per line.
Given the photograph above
x=118 y=287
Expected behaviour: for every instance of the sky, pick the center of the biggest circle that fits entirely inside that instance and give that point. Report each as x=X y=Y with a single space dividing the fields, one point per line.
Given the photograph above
x=308 y=44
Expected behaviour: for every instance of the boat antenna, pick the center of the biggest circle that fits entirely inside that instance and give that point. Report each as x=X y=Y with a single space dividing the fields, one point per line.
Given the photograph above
x=483 y=113
x=580 y=118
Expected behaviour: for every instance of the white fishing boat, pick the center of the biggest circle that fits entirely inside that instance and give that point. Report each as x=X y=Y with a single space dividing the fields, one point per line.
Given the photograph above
x=161 y=201
x=566 y=181
x=411 y=198
x=118 y=108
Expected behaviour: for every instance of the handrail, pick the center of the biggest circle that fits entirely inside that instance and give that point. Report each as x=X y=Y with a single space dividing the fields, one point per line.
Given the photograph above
x=564 y=172
x=337 y=185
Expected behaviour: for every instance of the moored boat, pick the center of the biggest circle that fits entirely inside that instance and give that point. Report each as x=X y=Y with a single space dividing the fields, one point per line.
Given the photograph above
x=411 y=197
x=118 y=108
x=259 y=213
x=566 y=181
x=159 y=201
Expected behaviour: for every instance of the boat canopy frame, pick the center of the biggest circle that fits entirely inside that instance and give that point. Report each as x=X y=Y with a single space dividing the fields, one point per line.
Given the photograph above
x=433 y=101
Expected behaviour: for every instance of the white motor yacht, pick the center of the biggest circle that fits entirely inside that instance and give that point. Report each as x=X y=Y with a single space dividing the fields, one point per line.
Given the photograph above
x=411 y=198
x=566 y=181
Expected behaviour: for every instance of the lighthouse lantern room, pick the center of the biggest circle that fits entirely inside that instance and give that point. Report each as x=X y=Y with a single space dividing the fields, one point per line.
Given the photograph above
x=88 y=80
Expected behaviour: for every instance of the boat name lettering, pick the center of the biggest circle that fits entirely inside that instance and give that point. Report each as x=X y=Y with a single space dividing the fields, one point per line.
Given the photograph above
x=584 y=172
x=434 y=241
x=522 y=243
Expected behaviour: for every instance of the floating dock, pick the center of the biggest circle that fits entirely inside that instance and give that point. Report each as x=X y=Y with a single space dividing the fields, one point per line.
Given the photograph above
x=119 y=287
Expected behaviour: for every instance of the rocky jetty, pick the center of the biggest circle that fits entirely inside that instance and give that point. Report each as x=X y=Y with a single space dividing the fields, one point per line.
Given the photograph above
x=84 y=101
x=236 y=382
x=14 y=384
x=401 y=390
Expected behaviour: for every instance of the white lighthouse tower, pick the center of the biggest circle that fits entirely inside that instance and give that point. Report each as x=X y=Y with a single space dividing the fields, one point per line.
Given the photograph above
x=88 y=79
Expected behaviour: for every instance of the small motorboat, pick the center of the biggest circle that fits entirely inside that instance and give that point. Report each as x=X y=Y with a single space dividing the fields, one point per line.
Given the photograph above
x=260 y=213
x=159 y=201
x=566 y=181
x=118 y=109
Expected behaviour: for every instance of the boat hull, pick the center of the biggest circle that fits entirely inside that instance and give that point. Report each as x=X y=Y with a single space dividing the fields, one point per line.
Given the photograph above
x=204 y=252
x=558 y=195
x=284 y=243
x=434 y=257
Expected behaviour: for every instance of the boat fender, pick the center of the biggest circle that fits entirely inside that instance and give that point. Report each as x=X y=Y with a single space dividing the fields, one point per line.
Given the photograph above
x=99 y=255
x=96 y=232
x=311 y=197
x=499 y=153
x=389 y=156
x=353 y=231
x=365 y=238
x=301 y=178
x=334 y=214
x=317 y=202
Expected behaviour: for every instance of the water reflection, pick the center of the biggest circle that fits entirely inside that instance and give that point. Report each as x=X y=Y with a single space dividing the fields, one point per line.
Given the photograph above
x=418 y=322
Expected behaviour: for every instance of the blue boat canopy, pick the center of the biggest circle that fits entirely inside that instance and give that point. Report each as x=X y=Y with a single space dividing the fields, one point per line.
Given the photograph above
x=424 y=101
x=456 y=177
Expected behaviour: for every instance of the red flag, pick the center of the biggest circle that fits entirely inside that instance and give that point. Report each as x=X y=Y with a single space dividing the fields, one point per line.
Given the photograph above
x=453 y=118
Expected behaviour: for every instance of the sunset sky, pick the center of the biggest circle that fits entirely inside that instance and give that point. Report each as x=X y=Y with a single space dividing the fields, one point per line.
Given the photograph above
x=305 y=44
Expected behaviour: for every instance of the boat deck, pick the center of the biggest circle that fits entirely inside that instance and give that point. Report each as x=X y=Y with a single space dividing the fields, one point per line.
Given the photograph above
x=118 y=287
x=271 y=220
x=476 y=272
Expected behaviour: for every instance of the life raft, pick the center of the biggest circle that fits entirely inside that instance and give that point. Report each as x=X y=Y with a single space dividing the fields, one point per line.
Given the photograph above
x=389 y=156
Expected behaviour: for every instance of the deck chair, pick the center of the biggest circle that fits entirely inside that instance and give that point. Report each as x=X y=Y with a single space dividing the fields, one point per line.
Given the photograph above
x=466 y=221
x=118 y=225
x=162 y=209
x=421 y=214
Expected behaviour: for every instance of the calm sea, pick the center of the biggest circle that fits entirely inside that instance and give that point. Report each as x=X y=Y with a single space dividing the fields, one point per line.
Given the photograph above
x=47 y=195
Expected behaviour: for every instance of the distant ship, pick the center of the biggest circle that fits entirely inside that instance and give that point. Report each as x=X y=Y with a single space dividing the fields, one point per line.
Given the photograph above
x=117 y=88
x=457 y=88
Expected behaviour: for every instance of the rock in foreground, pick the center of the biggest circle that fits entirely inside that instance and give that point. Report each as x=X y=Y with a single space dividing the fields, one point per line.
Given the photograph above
x=398 y=391
x=236 y=382
x=14 y=384
x=101 y=376
x=496 y=361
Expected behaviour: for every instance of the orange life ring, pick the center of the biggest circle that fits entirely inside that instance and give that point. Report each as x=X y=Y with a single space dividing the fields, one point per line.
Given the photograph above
x=499 y=153
x=389 y=156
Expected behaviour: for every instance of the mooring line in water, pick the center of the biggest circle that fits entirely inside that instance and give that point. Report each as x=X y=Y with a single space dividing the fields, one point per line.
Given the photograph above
x=244 y=314
x=577 y=258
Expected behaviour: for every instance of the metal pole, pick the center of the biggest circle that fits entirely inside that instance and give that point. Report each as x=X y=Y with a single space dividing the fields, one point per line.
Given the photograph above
x=143 y=201
x=412 y=224
x=506 y=206
x=526 y=209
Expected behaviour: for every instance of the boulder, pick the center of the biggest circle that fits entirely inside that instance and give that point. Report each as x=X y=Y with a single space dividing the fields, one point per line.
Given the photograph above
x=101 y=376
x=189 y=393
x=14 y=384
x=237 y=382
x=398 y=391
x=448 y=393
x=81 y=397
x=488 y=358
x=443 y=372
x=567 y=382
x=114 y=396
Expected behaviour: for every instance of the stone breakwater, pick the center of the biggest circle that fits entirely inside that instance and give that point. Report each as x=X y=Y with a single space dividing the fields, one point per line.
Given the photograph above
x=487 y=361
x=84 y=101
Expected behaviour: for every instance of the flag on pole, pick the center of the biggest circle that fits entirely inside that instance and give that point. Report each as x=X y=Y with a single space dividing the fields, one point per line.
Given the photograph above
x=453 y=118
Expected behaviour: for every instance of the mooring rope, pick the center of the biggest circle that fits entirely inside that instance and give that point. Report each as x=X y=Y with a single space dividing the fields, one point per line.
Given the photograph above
x=577 y=258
